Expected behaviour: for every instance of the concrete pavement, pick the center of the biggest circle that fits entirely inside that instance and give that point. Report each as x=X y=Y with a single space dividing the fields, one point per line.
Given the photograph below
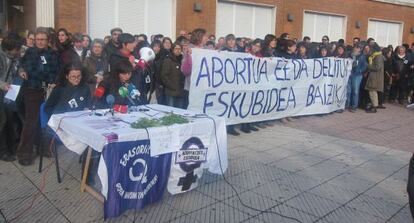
x=349 y=167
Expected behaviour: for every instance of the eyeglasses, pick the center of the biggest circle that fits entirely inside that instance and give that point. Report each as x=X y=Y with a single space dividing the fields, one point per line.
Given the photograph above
x=38 y=39
x=75 y=77
x=324 y=39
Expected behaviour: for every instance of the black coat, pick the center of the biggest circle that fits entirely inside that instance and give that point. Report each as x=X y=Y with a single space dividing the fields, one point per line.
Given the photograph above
x=68 y=98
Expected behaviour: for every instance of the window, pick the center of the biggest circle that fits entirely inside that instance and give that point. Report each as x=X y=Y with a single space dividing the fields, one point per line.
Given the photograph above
x=385 y=33
x=316 y=25
x=133 y=16
x=244 y=20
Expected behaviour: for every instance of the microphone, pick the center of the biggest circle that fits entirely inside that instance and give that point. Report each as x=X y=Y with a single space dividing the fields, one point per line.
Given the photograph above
x=129 y=92
x=133 y=92
x=99 y=92
x=123 y=92
x=110 y=100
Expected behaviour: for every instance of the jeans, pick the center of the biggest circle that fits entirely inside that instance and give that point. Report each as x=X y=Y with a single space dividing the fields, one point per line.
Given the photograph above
x=353 y=87
x=174 y=101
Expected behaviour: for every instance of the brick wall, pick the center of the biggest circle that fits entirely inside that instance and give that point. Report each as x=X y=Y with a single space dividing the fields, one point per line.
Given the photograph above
x=355 y=10
x=72 y=15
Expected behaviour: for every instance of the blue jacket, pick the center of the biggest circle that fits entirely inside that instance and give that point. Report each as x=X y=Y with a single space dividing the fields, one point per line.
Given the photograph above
x=360 y=65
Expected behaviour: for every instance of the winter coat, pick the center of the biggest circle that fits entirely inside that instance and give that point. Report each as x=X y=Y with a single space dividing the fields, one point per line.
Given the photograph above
x=8 y=69
x=401 y=66
x=359 y=65
x=172 y=77
x=94 y=64
x=375 y=81
x=110 y=49
x=41 y=65
x=70 y=56
x=68 y=98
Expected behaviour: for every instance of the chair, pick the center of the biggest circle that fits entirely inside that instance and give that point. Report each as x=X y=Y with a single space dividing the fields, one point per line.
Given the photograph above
x=44 y=119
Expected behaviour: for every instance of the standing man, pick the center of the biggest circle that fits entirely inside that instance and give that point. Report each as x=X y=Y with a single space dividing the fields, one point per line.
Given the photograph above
x=359 y=66
x=113 y=45
x=39 y=70
x=10 y=122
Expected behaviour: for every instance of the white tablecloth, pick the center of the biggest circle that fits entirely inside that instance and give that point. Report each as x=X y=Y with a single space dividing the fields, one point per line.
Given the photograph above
x=77 y=130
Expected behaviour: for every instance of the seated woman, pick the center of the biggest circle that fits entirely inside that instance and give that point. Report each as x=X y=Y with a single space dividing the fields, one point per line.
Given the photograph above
x=71 y=92
x=122 y=85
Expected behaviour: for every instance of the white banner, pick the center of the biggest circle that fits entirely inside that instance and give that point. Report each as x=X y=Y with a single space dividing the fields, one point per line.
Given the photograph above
x=243 y=88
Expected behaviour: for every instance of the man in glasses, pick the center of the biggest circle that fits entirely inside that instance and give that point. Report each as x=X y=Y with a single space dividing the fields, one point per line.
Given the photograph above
x=39 y=69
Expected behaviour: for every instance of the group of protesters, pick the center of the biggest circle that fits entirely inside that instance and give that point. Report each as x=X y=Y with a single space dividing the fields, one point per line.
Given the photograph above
x=60 y=72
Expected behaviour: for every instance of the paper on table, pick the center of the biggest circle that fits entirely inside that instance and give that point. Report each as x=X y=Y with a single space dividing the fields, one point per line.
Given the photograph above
x=164 y=139
x=13 y=92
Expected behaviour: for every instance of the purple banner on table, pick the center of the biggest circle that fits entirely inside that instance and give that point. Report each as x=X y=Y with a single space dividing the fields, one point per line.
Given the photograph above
x=135 y=179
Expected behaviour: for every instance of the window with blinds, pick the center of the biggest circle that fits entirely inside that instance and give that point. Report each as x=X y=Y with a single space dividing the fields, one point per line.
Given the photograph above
x=244 y=20
x=133 y=16
x=316 y=25
x=385 y=33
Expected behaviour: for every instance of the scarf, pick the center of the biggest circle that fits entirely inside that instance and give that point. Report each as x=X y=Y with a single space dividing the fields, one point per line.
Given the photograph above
x=371 y=58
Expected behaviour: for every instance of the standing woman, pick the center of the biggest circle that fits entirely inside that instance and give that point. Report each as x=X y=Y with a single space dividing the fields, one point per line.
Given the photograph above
x=340 y=52
x=269 y=46
x=63 y=40
x=156 y=67
x=323 y=52
x=375 y=81
x=172 y=78
x=198 y=40
x=289 y=49
x=401 y=67
x=302 y=51
x=86 y=44
x=96 y=65
x=29 y=42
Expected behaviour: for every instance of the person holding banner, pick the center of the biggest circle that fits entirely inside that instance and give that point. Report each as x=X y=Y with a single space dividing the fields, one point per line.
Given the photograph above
x=323 y=52
x=302 y=51
x=289 y=50
x=375 y=81
x=10 y=122
x=269 y=46
x=198 y=39
x=231 y=46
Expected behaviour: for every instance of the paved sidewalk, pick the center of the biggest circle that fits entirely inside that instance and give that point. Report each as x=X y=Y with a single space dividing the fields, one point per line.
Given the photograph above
x=288 y=169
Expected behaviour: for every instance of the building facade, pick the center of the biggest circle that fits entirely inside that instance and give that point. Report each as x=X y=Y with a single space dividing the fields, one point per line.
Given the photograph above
x=387 y=21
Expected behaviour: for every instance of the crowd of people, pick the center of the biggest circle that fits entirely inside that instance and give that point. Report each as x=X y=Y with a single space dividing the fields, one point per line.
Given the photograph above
x=69 y=72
